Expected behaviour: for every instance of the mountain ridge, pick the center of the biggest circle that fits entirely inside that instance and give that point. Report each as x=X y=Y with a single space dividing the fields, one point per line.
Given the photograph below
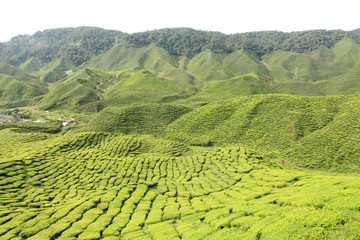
x=79 y=44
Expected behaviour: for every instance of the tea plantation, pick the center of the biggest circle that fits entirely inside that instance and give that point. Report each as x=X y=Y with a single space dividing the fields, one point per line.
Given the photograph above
x=180 y=134
x=111 y=186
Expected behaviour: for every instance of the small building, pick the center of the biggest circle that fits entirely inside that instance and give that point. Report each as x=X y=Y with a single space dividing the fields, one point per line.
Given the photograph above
x=67 y=123
x=41 y=120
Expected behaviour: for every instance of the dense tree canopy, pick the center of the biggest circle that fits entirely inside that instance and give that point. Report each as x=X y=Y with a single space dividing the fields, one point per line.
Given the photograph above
x=80 y=44
x=75 y=44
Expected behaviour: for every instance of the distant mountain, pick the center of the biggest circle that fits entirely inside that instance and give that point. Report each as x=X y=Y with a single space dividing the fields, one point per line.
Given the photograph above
x=92 y=68
x=189 y=42
x=356 y=31
x=80 y=44
x=74 y=44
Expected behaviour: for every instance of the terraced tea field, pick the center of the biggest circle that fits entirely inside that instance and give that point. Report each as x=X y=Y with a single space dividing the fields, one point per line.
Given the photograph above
x=108 y=186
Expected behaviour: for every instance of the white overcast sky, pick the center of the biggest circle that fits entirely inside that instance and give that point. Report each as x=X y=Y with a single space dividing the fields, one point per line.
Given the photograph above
x=227 y=16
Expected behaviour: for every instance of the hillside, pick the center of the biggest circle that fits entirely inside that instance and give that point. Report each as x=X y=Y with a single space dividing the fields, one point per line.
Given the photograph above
x=244 y=85
x=77 y=45
x=17 y=88
x=80 y=44
x=356 y=31
x=310 y=132
x=301 y=63
x=92 y=186
x=74 y=90
x=147 y=118
x=155 y=59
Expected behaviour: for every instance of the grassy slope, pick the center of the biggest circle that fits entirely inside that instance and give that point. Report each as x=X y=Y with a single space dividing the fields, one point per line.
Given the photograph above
x=240 y=63
x=147 y=118
x=309 y=69
x=322 y=72
x=31 y=65
x=17 y=87
x=76 y=89
x=54 y=71
x=140 y=87
x=94 y=185
x=87 y=89
x=209 y=65
x=185 y=73
x=303 y=130
x=249 y=84
x=150 y=58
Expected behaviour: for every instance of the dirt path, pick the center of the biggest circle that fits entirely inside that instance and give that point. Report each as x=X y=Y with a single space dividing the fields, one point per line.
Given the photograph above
x=270 y=70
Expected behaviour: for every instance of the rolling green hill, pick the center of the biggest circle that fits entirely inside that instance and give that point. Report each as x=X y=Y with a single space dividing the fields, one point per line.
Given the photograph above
x=93 y=89
x=54 y=71
x=17 y=73
x=284 y=65
x=106 y=186
x=322 y=63
x=149 y=118
x=76 y=45
x=347 y=54
x=17 y=88
x=31 y=65
x=75 y=90
x=141 y=87
x=249 y=84
x=155 y=59
x=207 y=65
x=314 y=132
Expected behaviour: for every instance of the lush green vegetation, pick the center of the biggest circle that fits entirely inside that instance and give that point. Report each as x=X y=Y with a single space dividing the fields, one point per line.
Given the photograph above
x=78 y=45
x=76 y=89
x=189 y=42
x=148 y=118
x=75 y=44
x=180 y=134
x=95 y=185
x=321 y=59
x=311 y=132
x=17 y=88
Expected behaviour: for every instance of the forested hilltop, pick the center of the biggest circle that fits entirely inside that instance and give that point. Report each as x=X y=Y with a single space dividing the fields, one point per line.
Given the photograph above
x=75 y=44
x=78 y=45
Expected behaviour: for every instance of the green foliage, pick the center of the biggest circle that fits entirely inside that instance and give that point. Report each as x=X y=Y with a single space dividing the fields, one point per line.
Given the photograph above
x=189 y=42
x=244 y=85
x=50 y=127
x=96 y=185
x=74 y=44
x=31 y=65
x=17 y=88
x=149 y=118
x=76 y=89
x=139 y=88
x=155 y=59
x=308 y=131
x=334 y=70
